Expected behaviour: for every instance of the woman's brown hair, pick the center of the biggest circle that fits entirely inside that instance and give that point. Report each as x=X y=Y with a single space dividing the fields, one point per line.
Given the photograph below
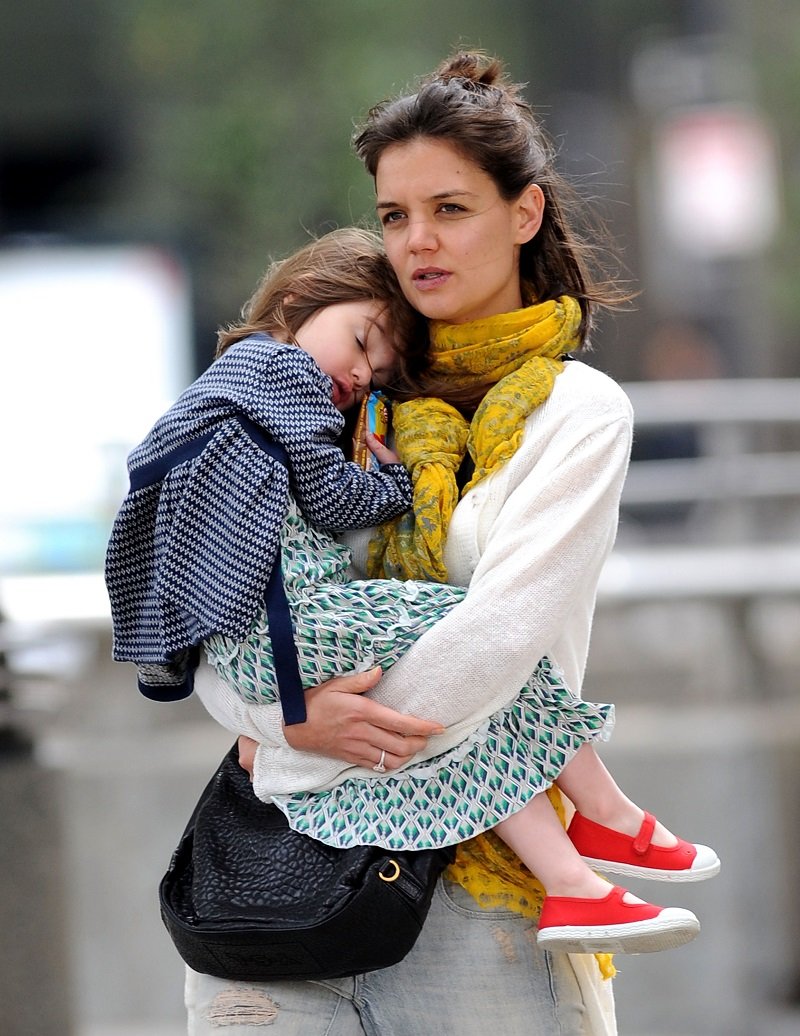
x=345 y=265
x=469 y=103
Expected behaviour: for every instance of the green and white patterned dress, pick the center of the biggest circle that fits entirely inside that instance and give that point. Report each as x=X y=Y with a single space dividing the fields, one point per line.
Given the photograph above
x=342 y=626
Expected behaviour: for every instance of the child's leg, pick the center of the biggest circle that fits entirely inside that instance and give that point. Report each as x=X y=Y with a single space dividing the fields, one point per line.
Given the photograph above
x=537 y=837
x=582 y=912
x=615 y=835
x=596 y=795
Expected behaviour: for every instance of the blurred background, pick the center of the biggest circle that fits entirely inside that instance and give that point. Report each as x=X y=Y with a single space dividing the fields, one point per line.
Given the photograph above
x=154 y=156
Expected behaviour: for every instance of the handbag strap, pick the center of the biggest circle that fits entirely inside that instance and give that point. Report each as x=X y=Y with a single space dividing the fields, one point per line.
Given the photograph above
x=279 y=620
x=284 y=654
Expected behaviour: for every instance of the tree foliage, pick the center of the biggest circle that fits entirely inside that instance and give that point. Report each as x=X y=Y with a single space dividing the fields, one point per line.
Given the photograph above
x=242 y=115
x=227 y=124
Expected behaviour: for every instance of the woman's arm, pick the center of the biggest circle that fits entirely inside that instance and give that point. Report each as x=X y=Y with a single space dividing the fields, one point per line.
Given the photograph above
x=537 y=563
x=342 y=724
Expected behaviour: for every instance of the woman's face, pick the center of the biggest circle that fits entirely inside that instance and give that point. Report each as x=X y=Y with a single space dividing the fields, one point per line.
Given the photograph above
x=452 y=239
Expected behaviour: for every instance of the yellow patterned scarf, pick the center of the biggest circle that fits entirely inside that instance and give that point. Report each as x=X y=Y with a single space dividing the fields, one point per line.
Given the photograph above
x=517 y=357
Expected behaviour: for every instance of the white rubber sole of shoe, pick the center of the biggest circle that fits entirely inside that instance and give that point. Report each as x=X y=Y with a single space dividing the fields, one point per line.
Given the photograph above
x=671 y=928
x=707 y=865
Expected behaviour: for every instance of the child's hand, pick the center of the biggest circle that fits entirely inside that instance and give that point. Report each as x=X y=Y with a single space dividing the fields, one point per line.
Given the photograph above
x=380 y=450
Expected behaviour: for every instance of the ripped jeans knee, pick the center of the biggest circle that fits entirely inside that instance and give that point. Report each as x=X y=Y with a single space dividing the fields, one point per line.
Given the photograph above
x=241 y=1005
x=219 y=1008
x=227 y=1007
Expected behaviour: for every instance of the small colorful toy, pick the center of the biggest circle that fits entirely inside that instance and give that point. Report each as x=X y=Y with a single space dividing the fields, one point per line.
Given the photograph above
x=372 y=417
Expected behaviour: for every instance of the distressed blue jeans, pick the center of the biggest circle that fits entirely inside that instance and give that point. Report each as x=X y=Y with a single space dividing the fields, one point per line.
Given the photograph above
x=472 y=972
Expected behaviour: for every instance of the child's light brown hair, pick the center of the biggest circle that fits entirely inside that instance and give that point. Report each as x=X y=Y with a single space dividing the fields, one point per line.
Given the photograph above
x=345 y=265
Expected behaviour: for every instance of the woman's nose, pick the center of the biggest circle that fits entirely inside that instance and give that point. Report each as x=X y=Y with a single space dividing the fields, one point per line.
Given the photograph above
x=421 y=235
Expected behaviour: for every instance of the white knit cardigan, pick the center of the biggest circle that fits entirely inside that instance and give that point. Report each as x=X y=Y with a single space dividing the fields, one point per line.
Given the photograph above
x=529 y=541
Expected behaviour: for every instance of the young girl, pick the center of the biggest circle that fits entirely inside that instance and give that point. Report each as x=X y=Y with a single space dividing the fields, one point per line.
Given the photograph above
x=194 y=542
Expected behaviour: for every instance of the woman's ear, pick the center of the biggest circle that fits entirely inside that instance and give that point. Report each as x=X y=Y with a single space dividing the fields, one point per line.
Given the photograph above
x=530 y=212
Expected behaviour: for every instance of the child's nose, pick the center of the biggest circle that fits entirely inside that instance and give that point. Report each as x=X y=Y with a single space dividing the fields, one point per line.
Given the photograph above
x=362 y=373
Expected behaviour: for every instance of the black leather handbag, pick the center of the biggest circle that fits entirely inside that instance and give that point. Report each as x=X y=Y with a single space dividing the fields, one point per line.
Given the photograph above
x=246 y=897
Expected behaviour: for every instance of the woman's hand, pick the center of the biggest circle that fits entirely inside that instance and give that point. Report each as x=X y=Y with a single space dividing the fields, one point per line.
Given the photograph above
x=247 y=753
x=344 y=725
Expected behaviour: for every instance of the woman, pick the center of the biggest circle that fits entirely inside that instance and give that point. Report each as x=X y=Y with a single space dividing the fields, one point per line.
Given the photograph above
x=476 y=227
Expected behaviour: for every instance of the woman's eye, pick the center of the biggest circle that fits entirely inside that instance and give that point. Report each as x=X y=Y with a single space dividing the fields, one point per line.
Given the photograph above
x=391 y=217
x=451 y=209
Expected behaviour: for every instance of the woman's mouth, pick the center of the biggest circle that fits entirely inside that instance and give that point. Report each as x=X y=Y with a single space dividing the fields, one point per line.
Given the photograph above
x=429 y=277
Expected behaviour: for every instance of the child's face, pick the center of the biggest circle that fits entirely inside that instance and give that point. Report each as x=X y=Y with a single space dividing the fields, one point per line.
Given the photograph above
x=351 y=342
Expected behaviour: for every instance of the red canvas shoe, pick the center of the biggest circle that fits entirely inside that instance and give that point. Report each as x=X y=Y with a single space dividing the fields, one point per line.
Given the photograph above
x=613 y=852
x=608 y=925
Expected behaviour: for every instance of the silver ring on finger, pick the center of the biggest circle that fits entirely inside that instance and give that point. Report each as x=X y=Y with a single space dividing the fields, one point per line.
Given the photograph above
x=379 y=767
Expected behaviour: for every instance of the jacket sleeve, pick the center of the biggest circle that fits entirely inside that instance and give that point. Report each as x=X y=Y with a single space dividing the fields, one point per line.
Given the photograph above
x=226 y=508
x=332 y=492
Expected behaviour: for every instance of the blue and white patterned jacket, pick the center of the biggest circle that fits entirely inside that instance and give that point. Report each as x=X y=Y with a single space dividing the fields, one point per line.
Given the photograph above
x=195 y=539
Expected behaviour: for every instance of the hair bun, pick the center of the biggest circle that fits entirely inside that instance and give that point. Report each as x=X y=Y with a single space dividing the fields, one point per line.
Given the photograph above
x=473 y=69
